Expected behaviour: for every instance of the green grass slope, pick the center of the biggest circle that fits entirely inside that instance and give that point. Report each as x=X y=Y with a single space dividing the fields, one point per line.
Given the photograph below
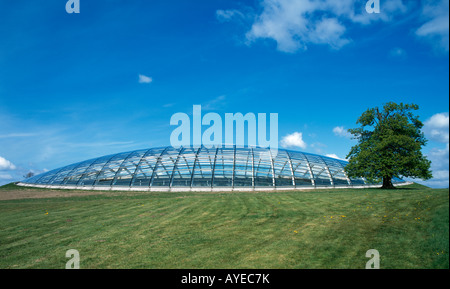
x=306 y=229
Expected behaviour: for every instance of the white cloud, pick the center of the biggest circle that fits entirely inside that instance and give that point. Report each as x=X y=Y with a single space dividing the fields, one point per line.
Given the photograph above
x=334 y=156
x=437 y=127
x=293 y=140
x=6 y=165
x=440 y=167
x=287 y=22
x=435 y=29
x=228 y=15
x=145 y=79
x=16 y=135
x=342 y=132
x=390 y=8
x=329 y=31
x=296 y=24
x=439 y=158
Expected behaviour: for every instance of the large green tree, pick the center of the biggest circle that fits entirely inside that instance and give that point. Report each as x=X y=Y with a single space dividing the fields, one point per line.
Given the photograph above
x=389 y=145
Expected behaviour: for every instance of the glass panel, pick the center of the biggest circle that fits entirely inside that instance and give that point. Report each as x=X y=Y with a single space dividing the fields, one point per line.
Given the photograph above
x=141 y=168
x=263 y=168
x=164 y=168
x=61 y=175
x=125 y=173
x=223 y=170
x=74 y=176
x=319 y=170
x=45 y=177
x=301 y=170
x=243 y=168
x=183 y=171
x=204 y=168
x=109 y=170
x=34 y=179
x=221 y=167
x=337 y=171
x=397 y=180
x=282 y=168
x=90 y=175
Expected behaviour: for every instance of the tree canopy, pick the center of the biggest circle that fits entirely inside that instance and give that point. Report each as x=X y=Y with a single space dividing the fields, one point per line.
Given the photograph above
x=389 y=145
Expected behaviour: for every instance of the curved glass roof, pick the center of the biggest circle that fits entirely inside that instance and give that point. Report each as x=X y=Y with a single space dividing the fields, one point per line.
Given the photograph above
x=191 y=168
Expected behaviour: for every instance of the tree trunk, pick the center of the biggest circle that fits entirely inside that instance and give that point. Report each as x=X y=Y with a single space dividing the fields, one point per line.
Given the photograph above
x=387 y=183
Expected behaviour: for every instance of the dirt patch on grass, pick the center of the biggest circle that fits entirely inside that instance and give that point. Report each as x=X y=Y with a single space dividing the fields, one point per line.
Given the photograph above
x=27 y=193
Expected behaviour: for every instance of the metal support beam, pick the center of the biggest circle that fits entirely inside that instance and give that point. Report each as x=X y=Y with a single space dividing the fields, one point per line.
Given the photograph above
x=345 y=174
x=175 y=166
x=90 y=166
x=253 y=168
x=214 y=168
x=193 y=167
x=133 y=176
x=102 y=170
x=328 y=171
x=292 y=169
x=72 y=170
x=234 y=167
x=52 y=178
x=273 y=169
x=120 y=168
x=313 y=182
x=158 y=161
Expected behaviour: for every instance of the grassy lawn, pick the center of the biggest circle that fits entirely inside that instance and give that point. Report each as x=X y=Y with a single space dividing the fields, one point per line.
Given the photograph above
x=306 y=229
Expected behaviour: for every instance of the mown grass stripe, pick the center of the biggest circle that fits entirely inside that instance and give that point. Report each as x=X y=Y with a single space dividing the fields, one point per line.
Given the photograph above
x=310 y=229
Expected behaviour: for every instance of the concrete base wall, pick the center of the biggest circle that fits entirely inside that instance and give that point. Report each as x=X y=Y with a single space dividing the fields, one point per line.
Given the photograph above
x=199 y=189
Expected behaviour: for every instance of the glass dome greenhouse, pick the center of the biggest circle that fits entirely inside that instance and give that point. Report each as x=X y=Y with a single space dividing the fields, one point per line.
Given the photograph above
x=202 y=169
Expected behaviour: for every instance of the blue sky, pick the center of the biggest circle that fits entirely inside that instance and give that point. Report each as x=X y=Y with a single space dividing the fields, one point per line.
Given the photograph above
x=108 y=79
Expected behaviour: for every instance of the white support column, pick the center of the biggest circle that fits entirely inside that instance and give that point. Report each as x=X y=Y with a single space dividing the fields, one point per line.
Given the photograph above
x=292 y=169
x=345 y=174
x=313 y=182
x=273 y=169
x=214 y=168
x=175 y=166
x=253 y=168
x=234 y=167
x=193 y=167
x=328 y=172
